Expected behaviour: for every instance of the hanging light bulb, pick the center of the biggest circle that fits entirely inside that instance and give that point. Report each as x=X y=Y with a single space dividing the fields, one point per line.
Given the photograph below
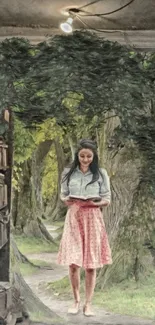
x=67 y=26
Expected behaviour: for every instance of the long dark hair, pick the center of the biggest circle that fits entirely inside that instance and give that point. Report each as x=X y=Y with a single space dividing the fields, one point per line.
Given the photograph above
x=94 y=166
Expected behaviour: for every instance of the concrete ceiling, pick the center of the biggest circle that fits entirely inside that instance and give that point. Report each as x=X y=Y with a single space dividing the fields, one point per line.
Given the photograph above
x=37 y=18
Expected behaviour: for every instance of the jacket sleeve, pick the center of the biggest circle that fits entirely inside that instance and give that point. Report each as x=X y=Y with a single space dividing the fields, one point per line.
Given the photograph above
x=64 y=186
x=105 y=191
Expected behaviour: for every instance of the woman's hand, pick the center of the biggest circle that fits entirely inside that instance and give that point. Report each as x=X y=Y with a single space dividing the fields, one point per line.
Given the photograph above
x=102 y=203
x=64 y=198
x=67 y=201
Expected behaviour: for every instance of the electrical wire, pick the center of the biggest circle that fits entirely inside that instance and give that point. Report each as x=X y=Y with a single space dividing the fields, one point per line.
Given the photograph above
x=89 y=4
x=78 y=16
x=106 y=13
x=98 y=30
x=127 y=41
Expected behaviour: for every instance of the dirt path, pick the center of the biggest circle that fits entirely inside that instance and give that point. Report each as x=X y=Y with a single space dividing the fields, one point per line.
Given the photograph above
x=61 y=307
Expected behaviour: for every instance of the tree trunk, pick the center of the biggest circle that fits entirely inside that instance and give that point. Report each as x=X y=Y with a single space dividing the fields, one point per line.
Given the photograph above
x=72 y=146
x=30 y=205
x=59 y=211
x=32 y=304
x=123 y=164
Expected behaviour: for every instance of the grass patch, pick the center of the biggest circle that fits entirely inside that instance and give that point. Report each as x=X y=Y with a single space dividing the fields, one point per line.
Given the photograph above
x=60 y=230
x=28 y=269
x=59 y=223
x=61 y=287
x=40 y=317
x=30 y=245
x=41 y=263
x=127 y=298
x=56 y=223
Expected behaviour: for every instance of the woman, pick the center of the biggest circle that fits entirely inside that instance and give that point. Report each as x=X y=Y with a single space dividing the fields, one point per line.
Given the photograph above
x=84 y=241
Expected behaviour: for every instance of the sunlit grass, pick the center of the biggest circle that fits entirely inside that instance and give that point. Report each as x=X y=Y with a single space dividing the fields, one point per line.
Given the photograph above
x=41 y=263
x=54 y=223
x=61 y=287
x=28 y=269
x=28 y=245
x=126 y=298
x=58 y=223
x=60 y=230
x=130 y=299
x=40 y=317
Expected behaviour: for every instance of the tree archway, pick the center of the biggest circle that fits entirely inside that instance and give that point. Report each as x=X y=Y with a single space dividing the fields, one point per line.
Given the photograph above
x=108 y=81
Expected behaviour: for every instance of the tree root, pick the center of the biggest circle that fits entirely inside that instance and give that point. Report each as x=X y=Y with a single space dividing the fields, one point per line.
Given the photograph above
x=20 y=258
x=25 y=301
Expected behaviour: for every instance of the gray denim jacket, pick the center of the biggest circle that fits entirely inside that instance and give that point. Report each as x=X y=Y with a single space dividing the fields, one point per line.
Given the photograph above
x=79 y=180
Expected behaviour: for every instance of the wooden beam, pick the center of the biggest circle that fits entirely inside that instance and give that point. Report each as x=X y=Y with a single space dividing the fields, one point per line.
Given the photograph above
x=138 y=39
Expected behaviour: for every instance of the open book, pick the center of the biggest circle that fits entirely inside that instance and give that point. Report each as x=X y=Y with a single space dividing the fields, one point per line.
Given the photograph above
x=85 y=198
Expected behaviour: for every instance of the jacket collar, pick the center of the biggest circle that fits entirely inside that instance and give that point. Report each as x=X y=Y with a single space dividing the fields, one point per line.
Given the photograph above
x=87 y=173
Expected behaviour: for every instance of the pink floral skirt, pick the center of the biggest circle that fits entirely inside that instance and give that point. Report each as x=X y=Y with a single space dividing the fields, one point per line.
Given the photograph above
x=84 y=241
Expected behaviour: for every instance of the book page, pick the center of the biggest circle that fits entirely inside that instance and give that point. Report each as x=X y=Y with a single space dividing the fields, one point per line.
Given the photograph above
x=98 y=198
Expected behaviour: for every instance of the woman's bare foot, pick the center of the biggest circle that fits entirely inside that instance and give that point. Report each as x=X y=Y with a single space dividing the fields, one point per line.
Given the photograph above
x=75 y=309
x=87 y=310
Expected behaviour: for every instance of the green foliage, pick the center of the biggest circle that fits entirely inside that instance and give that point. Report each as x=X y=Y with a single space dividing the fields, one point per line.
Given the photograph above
x=81 y=125
x=3 y=129
x=24 y=142
x=72 y=101
x=78 y=77
x=50 y=175
x=98 y=69
x=48 y=130
x=85 y=75
x=24 y=145
x=18 y=85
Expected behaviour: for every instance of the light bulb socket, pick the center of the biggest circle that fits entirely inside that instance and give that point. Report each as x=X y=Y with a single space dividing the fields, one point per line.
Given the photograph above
x=69 y=20
x=73 y=11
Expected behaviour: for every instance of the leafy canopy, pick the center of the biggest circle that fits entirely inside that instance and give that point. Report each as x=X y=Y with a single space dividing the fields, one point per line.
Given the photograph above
x=97 y=75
